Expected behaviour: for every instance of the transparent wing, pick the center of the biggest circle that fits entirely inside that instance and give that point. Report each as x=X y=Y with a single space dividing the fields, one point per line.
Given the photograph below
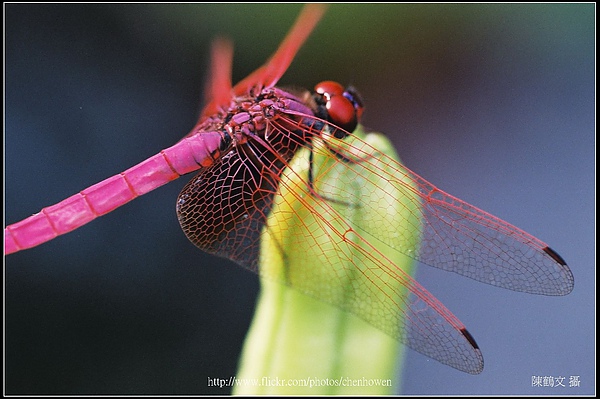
x=345 y=218
x=456 y=236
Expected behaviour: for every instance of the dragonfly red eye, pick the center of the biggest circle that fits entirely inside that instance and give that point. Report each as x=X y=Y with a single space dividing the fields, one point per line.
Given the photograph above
x=344 y=107
x=342 y=112
x=329 y=88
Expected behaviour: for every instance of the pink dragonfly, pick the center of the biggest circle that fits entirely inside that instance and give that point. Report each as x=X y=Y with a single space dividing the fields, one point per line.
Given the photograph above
x=247 y=135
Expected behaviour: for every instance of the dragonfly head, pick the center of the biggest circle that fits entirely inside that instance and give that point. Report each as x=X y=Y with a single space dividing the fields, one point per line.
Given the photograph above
x=344 y=105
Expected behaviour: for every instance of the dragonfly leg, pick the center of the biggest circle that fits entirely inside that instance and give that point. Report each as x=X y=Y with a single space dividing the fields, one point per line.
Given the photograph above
x=310 y=179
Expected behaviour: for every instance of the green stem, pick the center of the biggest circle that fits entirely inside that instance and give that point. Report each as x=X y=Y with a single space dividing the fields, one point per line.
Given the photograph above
x=298 y=339
x=302 y=340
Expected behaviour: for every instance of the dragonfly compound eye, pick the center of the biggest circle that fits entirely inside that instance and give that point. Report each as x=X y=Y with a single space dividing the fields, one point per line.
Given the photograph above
x=329 y=88
x=344 y=106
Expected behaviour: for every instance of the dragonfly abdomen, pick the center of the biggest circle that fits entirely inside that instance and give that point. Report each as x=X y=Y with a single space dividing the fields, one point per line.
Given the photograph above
x=190 y=154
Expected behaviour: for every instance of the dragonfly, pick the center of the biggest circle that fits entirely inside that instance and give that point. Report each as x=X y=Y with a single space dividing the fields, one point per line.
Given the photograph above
x=245 y=141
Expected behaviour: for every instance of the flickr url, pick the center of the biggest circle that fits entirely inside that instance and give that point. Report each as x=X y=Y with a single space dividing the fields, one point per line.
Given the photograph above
x=310 y=382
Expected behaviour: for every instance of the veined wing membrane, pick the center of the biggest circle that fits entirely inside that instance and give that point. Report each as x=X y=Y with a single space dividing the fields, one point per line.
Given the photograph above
x=456 y=236
x=326 y=255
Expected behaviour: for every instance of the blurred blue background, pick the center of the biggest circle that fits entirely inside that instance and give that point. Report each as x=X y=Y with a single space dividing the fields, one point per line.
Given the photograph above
x=493 y=103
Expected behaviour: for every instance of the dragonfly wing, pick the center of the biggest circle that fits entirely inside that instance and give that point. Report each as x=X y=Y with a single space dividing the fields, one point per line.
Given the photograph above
x=431 y=334
x=314 y=241
x=222 y=209
x=456 y=236
x=463 y=239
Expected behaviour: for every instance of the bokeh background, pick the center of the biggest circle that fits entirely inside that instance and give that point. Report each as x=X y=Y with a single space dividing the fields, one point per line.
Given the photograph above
x=493 y=103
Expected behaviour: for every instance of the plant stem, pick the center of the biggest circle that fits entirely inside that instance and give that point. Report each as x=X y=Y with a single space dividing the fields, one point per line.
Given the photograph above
x=316 y=276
